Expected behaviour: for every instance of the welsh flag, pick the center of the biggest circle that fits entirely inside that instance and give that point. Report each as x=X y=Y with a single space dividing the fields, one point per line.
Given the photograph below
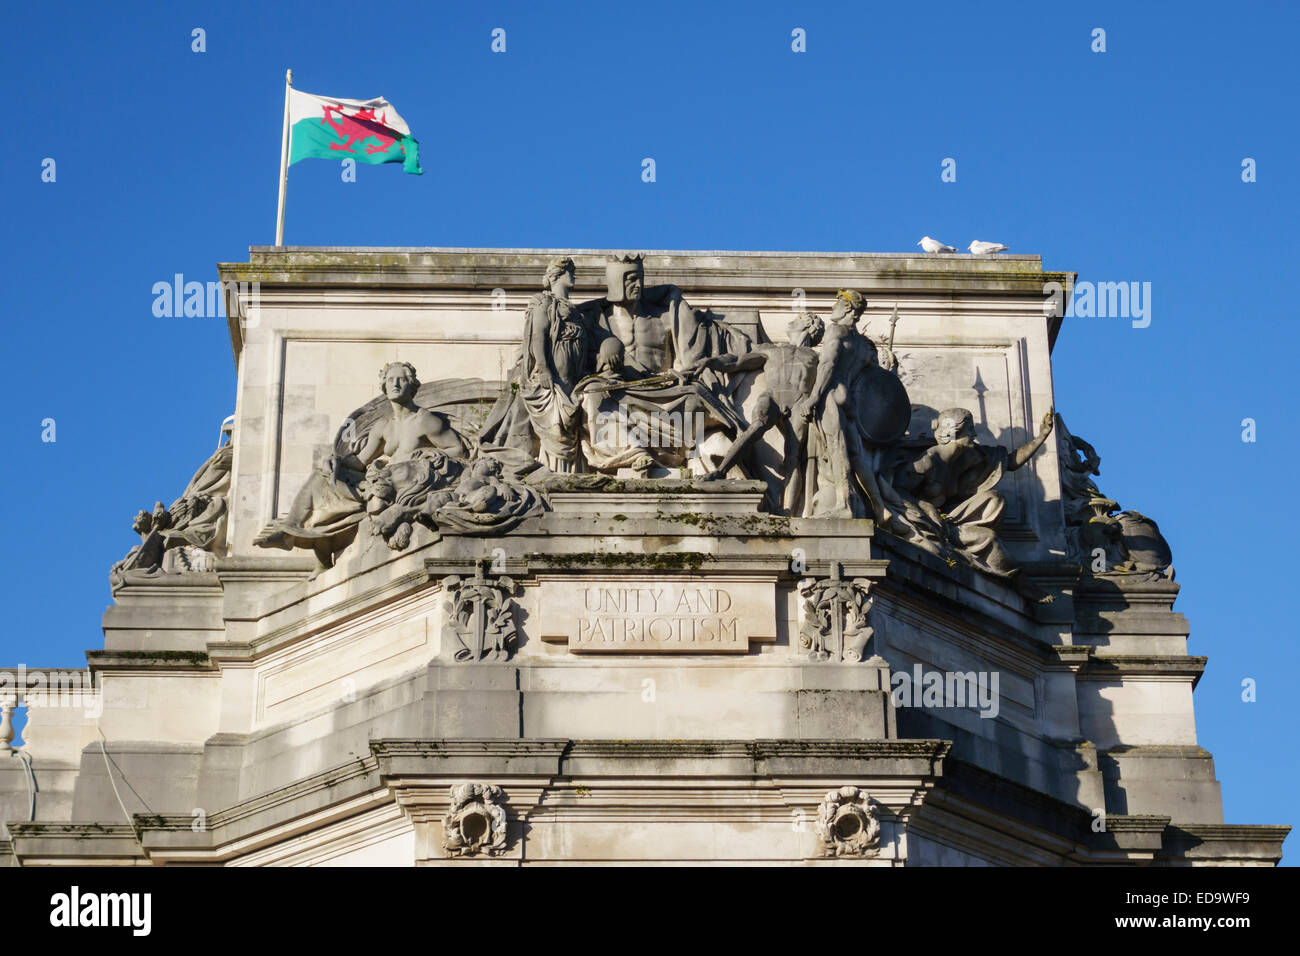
x=369 y=131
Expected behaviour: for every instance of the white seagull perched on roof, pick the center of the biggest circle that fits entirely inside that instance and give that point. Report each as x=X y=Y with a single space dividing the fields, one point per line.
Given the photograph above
x=934 y=245
x=978 y=248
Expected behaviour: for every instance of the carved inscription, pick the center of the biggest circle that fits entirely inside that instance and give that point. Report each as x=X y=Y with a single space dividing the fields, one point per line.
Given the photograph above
x=659 y=615
x=650 y=617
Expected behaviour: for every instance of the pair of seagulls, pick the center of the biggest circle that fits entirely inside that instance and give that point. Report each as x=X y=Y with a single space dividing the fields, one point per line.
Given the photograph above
x=976 y=248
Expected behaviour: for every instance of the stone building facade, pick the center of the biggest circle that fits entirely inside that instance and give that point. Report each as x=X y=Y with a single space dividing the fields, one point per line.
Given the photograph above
x=529 y=556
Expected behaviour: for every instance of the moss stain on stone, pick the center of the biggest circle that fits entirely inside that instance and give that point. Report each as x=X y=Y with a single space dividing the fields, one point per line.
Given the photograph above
x=188 y=657
x=661 y=561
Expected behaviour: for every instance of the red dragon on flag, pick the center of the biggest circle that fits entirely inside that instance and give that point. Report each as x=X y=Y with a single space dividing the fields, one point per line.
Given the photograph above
x=365 y=130
x=357 y=128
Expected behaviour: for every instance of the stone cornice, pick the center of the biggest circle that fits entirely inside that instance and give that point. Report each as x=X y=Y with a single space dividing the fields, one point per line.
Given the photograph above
x=1236 y=832
x=1110 y=666
x=704 y=271
x=1219 y=843
x=1180 y=751
x=181 y=584
x=73 y=842
x=120 y=661
x=704 y=274
x=1136 y=589
x=405 y=758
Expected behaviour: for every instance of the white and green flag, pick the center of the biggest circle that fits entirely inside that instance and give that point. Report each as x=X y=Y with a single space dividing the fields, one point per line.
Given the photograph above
x=369 y=131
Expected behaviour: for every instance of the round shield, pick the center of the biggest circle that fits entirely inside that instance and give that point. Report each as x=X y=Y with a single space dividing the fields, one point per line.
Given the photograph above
x=881 y=406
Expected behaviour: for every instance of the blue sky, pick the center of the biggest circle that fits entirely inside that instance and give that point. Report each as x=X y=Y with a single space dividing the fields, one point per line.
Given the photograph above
x=1123 y=165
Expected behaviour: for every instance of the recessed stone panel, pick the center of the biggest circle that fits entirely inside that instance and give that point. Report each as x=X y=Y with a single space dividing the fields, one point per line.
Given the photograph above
x=626 y=615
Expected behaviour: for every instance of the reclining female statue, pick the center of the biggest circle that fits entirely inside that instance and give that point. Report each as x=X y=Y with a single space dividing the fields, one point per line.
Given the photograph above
x=327 y=509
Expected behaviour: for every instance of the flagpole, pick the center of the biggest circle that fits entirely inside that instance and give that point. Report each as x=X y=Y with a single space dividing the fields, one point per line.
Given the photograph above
x=284 y=161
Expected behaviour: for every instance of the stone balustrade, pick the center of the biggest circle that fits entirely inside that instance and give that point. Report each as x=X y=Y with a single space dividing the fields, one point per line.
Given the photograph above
x=56 y=701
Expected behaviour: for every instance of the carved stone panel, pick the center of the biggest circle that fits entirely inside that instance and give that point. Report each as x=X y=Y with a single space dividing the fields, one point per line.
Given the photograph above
x=847 y=823
x=835 y=613
x=475 y=823
x=627 y=615
x=480 y=611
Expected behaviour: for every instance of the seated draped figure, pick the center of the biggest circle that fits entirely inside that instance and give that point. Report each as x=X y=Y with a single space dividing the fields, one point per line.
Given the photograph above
x=946 y=497
x=650 y=403
x=603 y=385
x=327 y=509
x=638 y=422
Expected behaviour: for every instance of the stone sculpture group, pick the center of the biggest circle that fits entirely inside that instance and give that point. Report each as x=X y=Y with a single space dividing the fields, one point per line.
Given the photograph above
x=186 y=535
x=638 y=383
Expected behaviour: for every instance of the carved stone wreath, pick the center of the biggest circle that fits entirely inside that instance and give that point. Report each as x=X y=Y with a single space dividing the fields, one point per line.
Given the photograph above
x=847 y=823
x=475 y=822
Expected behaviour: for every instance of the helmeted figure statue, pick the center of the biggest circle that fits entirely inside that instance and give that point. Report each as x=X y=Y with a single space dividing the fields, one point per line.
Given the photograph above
x=659 y=330
x=854 y=406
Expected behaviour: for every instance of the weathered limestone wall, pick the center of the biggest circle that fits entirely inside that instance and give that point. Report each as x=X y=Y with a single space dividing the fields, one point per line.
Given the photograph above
x=319 y=719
